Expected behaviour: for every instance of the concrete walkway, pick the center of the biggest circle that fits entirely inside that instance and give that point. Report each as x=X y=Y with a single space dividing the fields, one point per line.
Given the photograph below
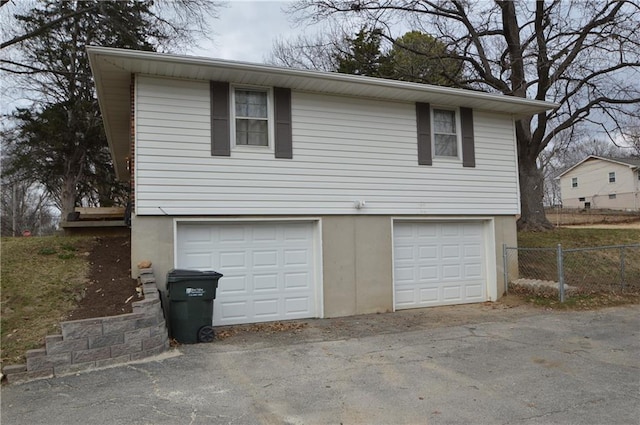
x=514 y=367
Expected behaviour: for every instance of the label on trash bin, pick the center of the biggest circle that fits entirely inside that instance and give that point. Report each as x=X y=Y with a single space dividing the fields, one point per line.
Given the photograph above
x=195 y=292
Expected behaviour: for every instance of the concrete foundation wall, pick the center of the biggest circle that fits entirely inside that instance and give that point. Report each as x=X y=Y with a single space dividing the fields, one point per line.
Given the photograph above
x=506 y=233
x=152 y=239
x=357 y=267
x=357 y=257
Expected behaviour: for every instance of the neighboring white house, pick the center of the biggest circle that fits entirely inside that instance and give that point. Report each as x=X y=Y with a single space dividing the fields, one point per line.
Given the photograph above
x=315 y=194
x=600 y=182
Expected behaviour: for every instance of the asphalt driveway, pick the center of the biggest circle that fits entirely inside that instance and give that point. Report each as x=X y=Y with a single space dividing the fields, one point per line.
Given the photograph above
x=483 y=366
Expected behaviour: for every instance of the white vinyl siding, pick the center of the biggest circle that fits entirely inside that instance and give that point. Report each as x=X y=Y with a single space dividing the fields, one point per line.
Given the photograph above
x=344 y=149
x=595 y=186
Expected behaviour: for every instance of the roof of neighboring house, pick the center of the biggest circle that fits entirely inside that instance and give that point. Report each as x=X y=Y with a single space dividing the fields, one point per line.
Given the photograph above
x=112 y=69
x=635 y=162
x=630 y=162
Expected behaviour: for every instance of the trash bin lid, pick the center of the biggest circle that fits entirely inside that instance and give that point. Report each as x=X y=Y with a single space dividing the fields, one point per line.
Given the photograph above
x=177 y=275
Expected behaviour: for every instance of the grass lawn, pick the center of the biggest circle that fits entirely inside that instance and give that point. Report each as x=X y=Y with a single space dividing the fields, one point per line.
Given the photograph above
x=578 y=238
x=596 y=273
x=41 y=280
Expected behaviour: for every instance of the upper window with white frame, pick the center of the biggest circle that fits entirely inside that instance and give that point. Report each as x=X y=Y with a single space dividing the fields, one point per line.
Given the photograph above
x=251 y=108
x=445 y=133
x=574 y=182
x=612 y=177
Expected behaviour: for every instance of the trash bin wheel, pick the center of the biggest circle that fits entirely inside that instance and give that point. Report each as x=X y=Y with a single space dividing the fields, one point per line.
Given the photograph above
x=206 y=334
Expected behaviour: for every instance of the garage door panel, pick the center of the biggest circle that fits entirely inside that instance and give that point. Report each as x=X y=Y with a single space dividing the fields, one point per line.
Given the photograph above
x=233 y=285
x=264 y=234
x=268 y=268
x=425 y=232
x=404 y=296
x=296 y=281
x=449 y=231
x=266 y=308
x=448 y=268
x=472 y=251
x=427 y=252
x=404 y=253
x=230 y=310
x=474 y=292
x=404 y=274
x=297 y=257
x=265 y=258
x=296 y=232
x=265 y=283
x=428 y=295
x=473 y=271
x=451 y=271
x=295 y=306
x=452 y=293
x=450 y=251
x=196 y=236
x=230 y=260
x=428 y=273
x=231 y=234
x=197 y=260
x=472 y=229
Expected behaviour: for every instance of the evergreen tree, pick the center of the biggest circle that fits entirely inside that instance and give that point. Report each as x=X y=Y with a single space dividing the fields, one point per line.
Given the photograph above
x=59 y=141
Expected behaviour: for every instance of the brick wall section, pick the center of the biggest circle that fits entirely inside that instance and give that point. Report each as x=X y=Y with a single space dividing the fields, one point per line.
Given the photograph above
x=103 y=341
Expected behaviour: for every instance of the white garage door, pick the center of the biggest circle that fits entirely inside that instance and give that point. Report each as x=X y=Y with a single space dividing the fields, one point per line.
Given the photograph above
x=268 y=268
x=438 y=264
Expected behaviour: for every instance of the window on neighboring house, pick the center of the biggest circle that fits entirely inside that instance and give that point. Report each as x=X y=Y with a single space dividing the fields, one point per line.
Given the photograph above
x=612 y=196
x=574 y=182
x=251 y=117
x=445 y=135
x=581 y=199
x=612 y=177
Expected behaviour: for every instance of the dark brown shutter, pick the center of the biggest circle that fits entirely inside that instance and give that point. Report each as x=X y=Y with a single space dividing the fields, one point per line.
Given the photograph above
x=468 y=149
x=283 y=143
x=423 y=121
x=220 y=133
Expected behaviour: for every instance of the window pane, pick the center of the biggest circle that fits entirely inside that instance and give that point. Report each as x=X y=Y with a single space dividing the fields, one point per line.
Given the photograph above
x=444 y=121
x=446 y=145
x=251 y=103
x=252 y=132
x=258 y=133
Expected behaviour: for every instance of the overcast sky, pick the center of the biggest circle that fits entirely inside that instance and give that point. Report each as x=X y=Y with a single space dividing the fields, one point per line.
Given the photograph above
x=246 y=30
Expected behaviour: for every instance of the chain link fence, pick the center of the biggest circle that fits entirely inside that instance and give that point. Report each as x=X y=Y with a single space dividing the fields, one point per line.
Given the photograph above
x=567 y=272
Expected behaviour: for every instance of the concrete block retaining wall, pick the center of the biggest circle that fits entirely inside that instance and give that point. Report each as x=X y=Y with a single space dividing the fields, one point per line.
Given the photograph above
x=100 y=342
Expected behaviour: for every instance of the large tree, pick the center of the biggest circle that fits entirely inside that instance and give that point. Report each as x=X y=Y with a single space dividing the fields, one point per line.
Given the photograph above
x=415 y=56
x=59 y=141
x=363 y=55
x=583 y=55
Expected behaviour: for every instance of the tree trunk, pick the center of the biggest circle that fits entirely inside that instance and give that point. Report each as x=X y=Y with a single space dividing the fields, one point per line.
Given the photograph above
x=531 y=197
x=68 y=197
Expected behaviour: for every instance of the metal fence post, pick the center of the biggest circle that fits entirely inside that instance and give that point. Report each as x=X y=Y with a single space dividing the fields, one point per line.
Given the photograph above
x=560 y=274
x=505 y=267
x=622 y=282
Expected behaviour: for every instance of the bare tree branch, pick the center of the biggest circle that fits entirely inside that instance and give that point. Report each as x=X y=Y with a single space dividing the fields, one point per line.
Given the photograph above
x=44 y=28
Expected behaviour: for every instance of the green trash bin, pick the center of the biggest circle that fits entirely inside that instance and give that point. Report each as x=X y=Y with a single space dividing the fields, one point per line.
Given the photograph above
x=190 y=295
